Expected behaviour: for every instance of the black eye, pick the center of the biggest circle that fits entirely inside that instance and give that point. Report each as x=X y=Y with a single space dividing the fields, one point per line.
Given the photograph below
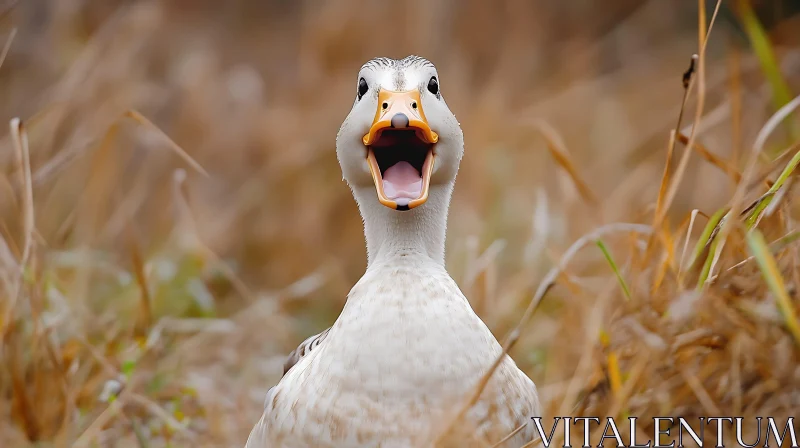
x=433 y=86
x=362 y=88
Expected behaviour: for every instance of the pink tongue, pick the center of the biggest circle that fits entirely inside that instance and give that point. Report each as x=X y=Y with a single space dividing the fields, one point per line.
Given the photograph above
x=402 y=183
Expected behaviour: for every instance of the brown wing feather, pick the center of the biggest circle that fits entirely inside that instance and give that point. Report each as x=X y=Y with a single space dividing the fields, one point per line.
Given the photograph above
x=295 y=356
x=303 y=349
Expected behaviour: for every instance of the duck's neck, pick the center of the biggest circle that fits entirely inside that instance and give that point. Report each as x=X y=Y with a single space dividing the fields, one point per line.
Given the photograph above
x=417 y=232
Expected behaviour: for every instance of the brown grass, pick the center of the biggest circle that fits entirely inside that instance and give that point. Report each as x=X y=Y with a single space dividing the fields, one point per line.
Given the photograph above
x=173 y=221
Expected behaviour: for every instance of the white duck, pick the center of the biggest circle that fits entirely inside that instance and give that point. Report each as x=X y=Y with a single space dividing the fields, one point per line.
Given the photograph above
x=407 y=348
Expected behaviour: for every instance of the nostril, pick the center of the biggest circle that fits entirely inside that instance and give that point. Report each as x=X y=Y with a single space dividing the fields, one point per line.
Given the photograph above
x=400 y=121
x=385 y=105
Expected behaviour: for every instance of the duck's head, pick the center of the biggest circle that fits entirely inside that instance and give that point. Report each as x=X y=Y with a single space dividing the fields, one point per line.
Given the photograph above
x=400 y=137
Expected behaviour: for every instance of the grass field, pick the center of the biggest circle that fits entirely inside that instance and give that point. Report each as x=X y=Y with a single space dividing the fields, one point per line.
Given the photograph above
x=173 y=220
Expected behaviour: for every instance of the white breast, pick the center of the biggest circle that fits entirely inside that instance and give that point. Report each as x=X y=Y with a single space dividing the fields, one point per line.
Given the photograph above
x=406 y=349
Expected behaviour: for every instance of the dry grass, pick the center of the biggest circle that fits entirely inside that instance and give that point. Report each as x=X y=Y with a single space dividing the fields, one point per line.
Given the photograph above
x=172 y=220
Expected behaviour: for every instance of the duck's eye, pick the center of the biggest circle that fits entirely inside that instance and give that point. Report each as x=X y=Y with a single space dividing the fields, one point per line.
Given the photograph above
x=362 y=88
x=433 y=86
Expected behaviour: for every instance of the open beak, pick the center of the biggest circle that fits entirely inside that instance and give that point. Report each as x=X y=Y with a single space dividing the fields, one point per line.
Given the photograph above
x=400 y=150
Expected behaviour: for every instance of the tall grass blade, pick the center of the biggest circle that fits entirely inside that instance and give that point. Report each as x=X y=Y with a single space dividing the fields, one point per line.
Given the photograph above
x=753 y=216
x=762 y=47
x=704 y=273
x=769 y=269
x=705 y=236
x=614 y=268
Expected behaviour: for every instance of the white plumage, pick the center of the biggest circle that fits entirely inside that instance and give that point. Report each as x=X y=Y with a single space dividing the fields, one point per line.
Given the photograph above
x=407 y=348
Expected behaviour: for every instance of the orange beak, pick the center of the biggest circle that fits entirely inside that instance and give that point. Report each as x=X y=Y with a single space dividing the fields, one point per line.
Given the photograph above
x=398 y=116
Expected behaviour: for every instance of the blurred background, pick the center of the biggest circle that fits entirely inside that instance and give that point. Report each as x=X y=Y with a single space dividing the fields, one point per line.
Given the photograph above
x=189 y=222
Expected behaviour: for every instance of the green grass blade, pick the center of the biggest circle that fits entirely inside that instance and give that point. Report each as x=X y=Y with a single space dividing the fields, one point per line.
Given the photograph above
x=707 y=265
x=769 y=269
x=614 y=268
x=787 y=171
x=752 y=218
x=762 y=47
x=704 y=237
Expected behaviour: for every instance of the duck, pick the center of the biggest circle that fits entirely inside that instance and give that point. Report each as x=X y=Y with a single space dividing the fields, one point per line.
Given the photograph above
x=407 y=347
